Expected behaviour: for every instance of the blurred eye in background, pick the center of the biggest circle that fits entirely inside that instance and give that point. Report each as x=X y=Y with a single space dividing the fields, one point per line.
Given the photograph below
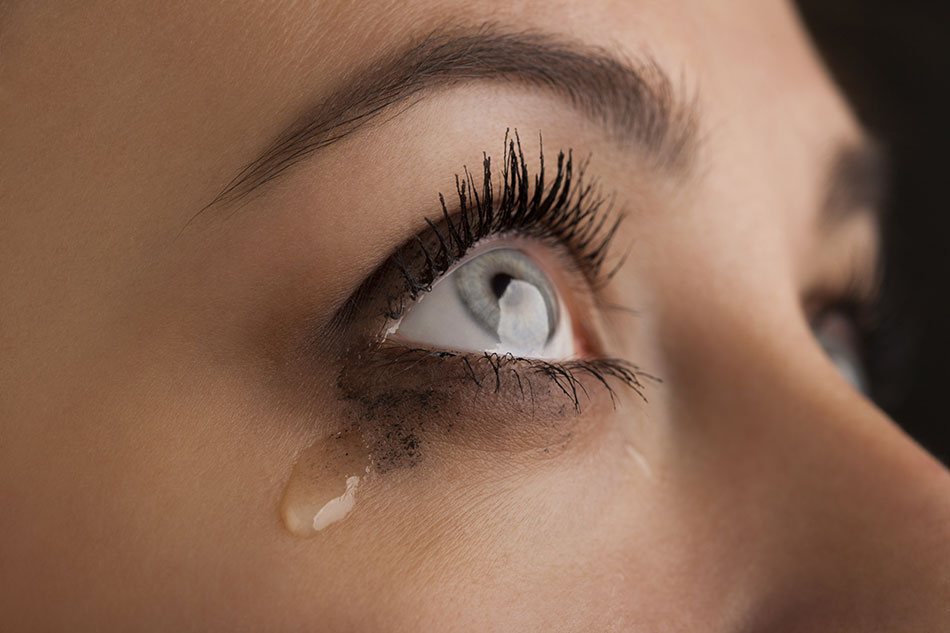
x=840 y=339
x=891 y=60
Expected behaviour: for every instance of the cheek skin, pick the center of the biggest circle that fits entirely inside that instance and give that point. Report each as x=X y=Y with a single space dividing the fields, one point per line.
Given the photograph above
x=426 y=535
x=487 y=486
x=154 y=464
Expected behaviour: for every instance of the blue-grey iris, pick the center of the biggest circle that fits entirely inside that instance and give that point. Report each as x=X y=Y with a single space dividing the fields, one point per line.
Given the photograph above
x=509 y=297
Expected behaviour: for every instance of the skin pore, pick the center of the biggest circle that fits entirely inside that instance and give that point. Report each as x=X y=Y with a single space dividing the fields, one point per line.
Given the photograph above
x=172 y=354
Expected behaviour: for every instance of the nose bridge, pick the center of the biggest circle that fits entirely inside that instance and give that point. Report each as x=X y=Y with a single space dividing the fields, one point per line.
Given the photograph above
x=831 y=507
x=865 y=511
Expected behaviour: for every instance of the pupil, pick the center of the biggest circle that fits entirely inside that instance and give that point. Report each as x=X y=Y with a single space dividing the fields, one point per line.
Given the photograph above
x=499 y=283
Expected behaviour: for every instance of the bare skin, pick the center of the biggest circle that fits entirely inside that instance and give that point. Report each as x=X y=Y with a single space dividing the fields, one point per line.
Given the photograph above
x=154 y=398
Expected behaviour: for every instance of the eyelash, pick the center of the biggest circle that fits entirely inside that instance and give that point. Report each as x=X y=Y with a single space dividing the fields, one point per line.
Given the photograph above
x=566 y=213
x=566 y=376
x=569 y=215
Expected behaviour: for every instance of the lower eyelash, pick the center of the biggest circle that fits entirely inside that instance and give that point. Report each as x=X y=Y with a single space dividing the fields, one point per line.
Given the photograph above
x=488 y=370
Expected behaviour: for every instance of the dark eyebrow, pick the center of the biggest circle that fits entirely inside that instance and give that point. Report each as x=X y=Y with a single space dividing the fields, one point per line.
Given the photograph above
x=858 y=179
x=635 y=102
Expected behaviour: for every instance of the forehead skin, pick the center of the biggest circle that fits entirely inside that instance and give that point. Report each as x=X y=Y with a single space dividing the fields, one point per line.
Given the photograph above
x=255 y=68
x=138 y=440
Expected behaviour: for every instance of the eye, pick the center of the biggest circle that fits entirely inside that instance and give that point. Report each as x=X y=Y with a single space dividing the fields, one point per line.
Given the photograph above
x=500 y=301
x=837 y=334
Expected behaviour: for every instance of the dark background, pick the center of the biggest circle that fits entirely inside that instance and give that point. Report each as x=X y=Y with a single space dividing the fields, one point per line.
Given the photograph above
x=892 y=59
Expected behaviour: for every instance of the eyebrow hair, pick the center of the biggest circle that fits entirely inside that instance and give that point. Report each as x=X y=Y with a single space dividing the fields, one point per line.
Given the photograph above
x=858 y=180
x=635 y=102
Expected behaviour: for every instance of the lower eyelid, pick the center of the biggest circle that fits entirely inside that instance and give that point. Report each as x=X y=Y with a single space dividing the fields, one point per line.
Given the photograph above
x=492 y=402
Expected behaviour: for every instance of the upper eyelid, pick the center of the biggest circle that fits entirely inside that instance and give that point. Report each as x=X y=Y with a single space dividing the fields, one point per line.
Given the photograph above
x=566 y=209
x=561 y=208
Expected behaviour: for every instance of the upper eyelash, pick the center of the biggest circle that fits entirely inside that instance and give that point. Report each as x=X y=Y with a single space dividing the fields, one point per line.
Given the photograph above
x=567 y=211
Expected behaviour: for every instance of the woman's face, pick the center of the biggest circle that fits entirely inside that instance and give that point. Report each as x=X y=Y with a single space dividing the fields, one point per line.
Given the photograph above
x=247 y=386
